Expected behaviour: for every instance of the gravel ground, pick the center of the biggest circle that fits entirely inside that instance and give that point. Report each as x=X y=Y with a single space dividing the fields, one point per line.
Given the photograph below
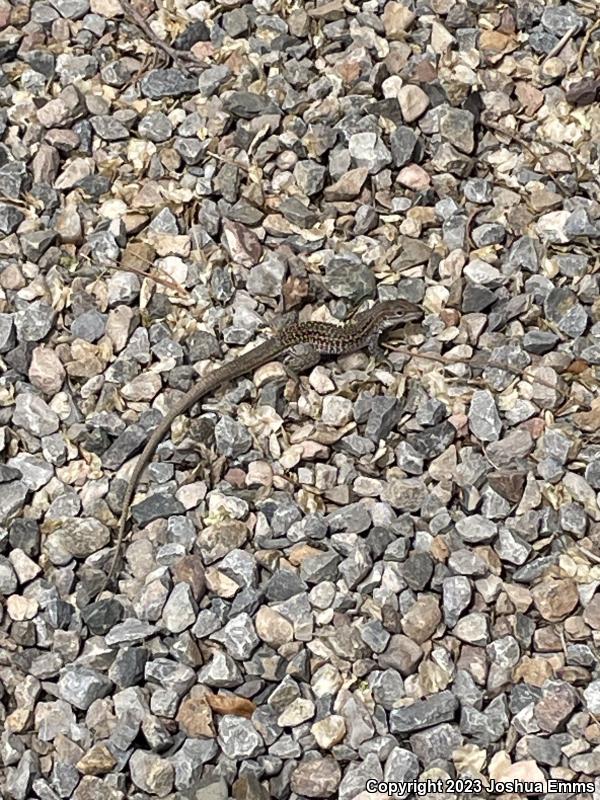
x=386 y=570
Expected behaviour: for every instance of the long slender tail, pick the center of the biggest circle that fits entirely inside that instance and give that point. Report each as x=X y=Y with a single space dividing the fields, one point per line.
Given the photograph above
x=141 y=464
x=234 y=369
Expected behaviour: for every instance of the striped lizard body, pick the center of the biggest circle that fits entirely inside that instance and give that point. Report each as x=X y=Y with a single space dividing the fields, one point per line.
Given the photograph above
x=318 y=339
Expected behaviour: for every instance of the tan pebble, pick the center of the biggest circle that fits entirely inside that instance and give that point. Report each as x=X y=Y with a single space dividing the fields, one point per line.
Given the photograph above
x=414 y=177
x=46 y=371
x=413 y=102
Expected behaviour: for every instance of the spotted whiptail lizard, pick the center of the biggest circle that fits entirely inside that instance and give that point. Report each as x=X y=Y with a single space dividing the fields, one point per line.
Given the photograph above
x=318 y=339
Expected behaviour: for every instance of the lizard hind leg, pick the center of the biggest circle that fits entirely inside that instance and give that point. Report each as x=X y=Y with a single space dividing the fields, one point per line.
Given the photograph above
x=302 y=358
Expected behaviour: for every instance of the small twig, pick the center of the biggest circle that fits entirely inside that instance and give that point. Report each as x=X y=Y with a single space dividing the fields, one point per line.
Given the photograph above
x=563 y=641
x=561 y=42
x=551 y=145
x=226 y=160
x=14 y=200
x=167 y=282
x=584 y=44
x=488 y=365
x=512 y=135
x=583 y=4
x=183 y=59
x=592 y=556
x=143 y=68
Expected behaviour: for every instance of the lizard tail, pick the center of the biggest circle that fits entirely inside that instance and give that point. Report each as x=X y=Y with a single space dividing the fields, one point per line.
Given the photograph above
x=141 y=464
x=240 y=366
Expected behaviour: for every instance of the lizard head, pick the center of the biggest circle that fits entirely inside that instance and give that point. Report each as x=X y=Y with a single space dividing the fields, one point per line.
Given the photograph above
x=389 y=313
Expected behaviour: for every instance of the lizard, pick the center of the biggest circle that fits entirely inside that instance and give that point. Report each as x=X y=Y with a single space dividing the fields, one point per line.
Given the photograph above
x=318 y=338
